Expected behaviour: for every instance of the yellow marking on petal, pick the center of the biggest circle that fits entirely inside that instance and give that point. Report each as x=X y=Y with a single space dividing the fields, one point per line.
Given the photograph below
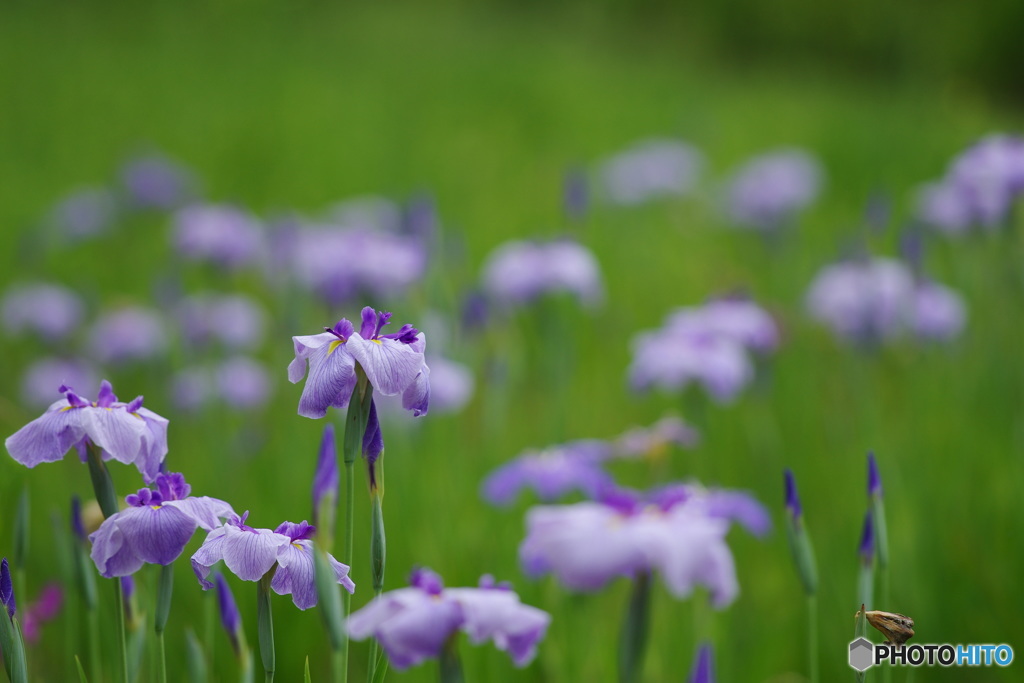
x=67 y=408
x=156 y=507
x=296 y=544
x=334 y=345
x=376 y=341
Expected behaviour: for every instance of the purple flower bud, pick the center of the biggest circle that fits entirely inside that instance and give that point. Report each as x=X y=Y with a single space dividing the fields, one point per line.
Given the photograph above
x=373 y=440
x=867 y=540
x=325 y=480
x=77 y=526
x=575 y=194
x=128 y=586
x=229 y=615
x=793 y=506
x=874 y=481
x=7 y=589
x=703 y=669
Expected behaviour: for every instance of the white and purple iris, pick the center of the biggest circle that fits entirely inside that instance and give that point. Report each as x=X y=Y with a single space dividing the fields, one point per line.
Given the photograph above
x=651 y=169
x=155 y=527
x=393 y=364
x=413 y=624
x=519 y=272
x=770 y=190
x=551 y=473
x=49 y=310
x=125 y=432
x=250 y=553
x=678 y=530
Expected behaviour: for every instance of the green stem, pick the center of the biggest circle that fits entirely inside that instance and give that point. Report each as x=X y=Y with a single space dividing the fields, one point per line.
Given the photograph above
x=163 y=609
x=93 y=637
x=102 y=484
x=812 y=638
x=163 y=656
x=378 y=550
x=451 y=666
x=634 y=629
x=119 y=593
x=265 y=623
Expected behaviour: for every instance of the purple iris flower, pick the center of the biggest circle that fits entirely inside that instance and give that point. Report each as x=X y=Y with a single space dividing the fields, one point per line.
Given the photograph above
x=393 y=364
x=43 y=375
x=49 y=310
x=84 y=214
x=243 y=383
x=413 y=624
x=155 y=527
x=551 y=473
x=224 y=235
x=938 y=313
x=645 y=441
x=191 y=389
x=125 y=432
x=235 y=321
x=154 y=182
x=734 y=317
x=678 y=530
x=991 y=174
x=132 y=333
x=769 y=190
x=519 y=272
x=451 y=385
x=945 y=206
x=651 y=169
x=250 y=553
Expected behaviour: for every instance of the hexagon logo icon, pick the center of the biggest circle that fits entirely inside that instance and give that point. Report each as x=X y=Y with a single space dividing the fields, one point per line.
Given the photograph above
x=862 y=654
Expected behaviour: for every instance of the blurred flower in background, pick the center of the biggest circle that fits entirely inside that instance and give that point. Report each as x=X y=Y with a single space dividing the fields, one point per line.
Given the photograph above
x=41 y=379
x=220 y=234
x=655 y=440
x=519 y=272
x=155 y=182
x=84 y=214
x=770 y=190
x=49 y=310
x=131 y=333
x=243 y=383
x=650 y=170
x=551 y=473
x=235 y=320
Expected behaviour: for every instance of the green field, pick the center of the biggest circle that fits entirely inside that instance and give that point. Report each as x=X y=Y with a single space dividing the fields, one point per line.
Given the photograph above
x=297 y=106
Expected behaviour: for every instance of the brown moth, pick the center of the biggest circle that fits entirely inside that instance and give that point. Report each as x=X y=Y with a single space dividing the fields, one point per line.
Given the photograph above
x=896 y=628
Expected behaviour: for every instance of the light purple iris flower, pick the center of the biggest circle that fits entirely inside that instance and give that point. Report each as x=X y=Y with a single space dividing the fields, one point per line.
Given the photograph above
x=154 y=182
x=84 y=214
x=551 y=473
x=243 y=383
x=945 y=206
x=451 y=385
x=339 y=263
x=877 y=299
x=191 y=389
x=734 y=317
x=393 y=364
x=671 y=360
x=678 y=530
x=519 y=272
x=651 y=169
x=991 y=173
x=49 y=310
x=769 y=190
x=221 y=234
x=155 y=527
x=46 y=373
x=127 y=334
x=413 y=624
x=235 y=321
x=250 y=553
x=668 y=431
x=125 y=432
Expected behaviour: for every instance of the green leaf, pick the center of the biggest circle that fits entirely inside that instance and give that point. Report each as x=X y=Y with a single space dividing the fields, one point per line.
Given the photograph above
x=81 y=671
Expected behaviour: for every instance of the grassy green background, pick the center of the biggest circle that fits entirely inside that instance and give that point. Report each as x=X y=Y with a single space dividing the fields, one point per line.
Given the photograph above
x=296 y=105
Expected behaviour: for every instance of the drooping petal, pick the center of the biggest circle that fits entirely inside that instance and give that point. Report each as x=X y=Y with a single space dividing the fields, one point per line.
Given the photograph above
x=332 y=377
x=295 y=574
x=390 y=365
x=204 y=511
x=48 y=437
x=121 y=435
x=304 y=347
x=155 y=445
x=498 y=615
x=210 y=553
x=157 y=536
x=416 y=396
x=110 y=553
x=250 y=553
x=418 y=631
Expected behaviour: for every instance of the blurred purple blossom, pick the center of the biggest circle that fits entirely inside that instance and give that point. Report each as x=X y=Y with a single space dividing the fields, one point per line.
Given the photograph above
x=551 y=473
x=7 y=598
x=876 y=299
x=250 y=553
x=43 y=375
x=672 y=359
x=945 y=206
x=125 y=432
x=668 y=431
x=234 y=320
x=49 y=310
x=678 y=530
x=154 y=182
x=243 y=383
x=191 y=388
x=651 y=169
x=703 y=668
x=155 y=527
x=769 y=190
x=131 y=333
x=451 y=385
x=519 y=272
x=733 y=317
x=224 y=235
x=414 y=624
x=45 y=608
x=86 y=213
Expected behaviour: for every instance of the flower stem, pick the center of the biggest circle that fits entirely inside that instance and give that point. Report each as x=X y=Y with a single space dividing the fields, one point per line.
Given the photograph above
x=163 y=609
x=451 y=666
x=812 y=637
x=634 y=629
x=119 y=597
x=378 y=553
x=102 y=484
x=265 y=624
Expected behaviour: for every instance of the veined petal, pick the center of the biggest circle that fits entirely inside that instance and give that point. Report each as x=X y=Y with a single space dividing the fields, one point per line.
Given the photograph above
x=332 y=377
x=416 y=396
x=154 y=446
x=156 y=535
x=390 y=365
x=295 y=574
x=304 y=347
x=210 y=553
x=120 y=434
x=203 y=510
x=112 y=556
x=341 y=572
x=48 y=437
x=418 y=631
x=250 y=553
